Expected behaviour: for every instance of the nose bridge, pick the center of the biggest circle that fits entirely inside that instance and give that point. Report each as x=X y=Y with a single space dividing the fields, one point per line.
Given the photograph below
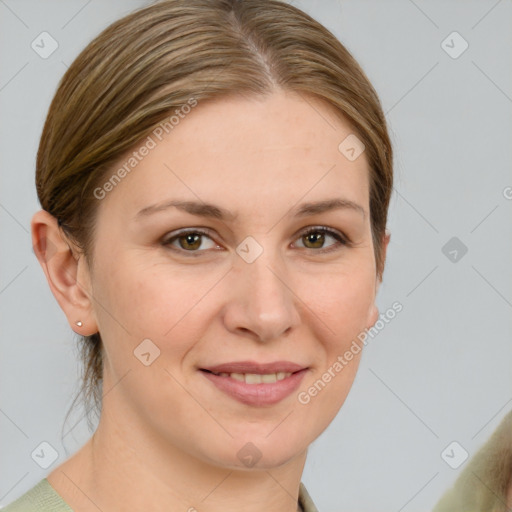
x=264 y=301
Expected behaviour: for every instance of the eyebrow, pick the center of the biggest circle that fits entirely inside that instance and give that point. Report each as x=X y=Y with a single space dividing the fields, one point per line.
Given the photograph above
x=202 y=209
x=193 y=207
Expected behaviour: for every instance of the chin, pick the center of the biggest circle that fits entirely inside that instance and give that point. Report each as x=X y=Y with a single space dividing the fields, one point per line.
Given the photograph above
x=262 y=451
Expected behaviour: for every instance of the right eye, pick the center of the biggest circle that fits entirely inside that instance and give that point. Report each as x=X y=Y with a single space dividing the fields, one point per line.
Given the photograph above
x=189 y=241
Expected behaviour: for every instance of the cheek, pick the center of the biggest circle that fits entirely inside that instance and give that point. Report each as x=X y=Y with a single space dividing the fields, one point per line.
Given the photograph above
x=150 y=303
x=141 y=301
x=343 y=302
x=343 y=305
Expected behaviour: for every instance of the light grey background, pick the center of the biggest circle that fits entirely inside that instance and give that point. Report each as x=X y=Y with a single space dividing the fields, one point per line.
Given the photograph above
x=439 y=372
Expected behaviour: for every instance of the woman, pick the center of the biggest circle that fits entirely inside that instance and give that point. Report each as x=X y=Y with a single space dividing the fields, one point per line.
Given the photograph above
x=214 y=179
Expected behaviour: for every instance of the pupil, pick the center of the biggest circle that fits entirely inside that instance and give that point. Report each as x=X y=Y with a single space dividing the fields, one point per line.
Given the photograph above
x=315 y=238
x=191 y=240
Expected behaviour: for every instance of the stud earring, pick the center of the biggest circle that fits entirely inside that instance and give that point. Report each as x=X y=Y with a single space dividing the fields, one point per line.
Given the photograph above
x=79 y=323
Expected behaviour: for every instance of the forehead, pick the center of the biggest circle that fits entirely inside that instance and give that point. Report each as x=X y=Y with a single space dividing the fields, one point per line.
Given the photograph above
x=259 y=125
x=279 y=147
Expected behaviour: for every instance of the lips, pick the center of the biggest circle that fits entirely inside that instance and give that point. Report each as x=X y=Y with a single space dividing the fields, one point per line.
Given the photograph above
x=255 y=368
x=256 y=384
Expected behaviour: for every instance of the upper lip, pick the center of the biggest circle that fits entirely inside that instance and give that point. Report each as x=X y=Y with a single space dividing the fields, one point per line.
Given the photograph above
x=257 y=368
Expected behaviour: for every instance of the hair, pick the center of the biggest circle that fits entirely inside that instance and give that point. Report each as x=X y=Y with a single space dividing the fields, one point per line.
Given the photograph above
x=144 y=66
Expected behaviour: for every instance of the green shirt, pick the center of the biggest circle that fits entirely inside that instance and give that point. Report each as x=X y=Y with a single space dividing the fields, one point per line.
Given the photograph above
x=44 y=498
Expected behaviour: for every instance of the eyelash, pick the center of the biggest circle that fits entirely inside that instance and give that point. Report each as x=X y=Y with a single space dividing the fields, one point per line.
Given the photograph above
x=340 y=240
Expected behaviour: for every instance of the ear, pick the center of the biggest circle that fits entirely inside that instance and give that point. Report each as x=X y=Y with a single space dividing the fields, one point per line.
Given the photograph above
x=373 y=315
x=66 y=270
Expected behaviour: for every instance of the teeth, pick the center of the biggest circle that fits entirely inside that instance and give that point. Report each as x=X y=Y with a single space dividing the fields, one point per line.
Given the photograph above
x=254 y=378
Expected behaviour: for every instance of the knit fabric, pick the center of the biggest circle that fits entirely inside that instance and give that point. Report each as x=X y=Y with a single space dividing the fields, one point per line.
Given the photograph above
x=40 y=498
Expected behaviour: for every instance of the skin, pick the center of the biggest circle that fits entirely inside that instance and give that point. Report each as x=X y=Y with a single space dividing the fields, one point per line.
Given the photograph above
x=168 y=438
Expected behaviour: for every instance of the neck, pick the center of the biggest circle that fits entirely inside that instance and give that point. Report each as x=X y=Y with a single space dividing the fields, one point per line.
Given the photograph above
x=124 y=467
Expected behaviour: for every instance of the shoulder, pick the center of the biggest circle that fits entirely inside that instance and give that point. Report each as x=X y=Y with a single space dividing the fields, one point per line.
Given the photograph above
x=305 y=502
x=40 y=498
x=486 y=481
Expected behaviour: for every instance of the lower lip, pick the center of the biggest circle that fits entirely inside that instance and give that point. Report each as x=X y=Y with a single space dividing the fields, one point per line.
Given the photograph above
x=257 y=394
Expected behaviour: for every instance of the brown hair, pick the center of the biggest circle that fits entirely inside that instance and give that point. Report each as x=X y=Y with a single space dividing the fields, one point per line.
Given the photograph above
x=153 y=61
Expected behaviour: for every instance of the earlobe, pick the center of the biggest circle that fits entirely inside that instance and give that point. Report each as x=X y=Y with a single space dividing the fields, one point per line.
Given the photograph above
x=61 y=268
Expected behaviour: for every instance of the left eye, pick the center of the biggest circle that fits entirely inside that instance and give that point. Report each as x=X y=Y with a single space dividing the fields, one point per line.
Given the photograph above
x=316 y=237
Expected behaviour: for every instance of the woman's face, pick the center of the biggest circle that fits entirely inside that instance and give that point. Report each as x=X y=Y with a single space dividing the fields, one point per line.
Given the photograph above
x=179 y=290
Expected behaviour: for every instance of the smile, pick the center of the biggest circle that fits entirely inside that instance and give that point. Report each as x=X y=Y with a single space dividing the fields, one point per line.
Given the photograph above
x=255 y=378
x=256 y=389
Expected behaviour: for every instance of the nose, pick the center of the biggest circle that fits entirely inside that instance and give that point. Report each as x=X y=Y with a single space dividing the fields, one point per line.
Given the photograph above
x=261 y=301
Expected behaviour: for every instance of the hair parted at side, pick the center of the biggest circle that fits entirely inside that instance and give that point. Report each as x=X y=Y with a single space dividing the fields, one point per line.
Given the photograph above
x=153 y=61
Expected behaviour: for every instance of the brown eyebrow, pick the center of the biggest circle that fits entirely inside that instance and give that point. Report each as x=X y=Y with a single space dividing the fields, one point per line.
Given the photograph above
x=210 y=210
x=195 y=208
x=327 y=205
